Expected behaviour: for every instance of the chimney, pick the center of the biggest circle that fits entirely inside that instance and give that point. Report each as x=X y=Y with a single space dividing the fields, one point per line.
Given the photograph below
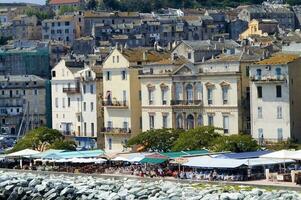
x=121 y=48
x=156 y=46
x=145 y=55
x=203 y=59
x=116 y=45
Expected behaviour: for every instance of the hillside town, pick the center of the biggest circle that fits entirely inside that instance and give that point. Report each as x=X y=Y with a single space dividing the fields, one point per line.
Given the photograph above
x=188 y=93
x=101 y=77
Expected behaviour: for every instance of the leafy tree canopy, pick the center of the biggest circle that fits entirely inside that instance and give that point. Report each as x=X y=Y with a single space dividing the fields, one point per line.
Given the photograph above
x=198 y=138
x=40 y=14
x=235 y=143
x=43 y=138
x=64 y=9
x=160 y=140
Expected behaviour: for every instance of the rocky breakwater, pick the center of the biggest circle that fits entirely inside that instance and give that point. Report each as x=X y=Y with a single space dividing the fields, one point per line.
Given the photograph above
x=23 y=186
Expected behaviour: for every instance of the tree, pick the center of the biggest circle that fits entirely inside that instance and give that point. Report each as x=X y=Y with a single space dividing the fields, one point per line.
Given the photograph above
x=63 y=144
x=198 y=138
x=40 y=14
x=64 y=9
x=91 y=5
x=290 y=144
x=235 y=143
x=156 y=140
x=40 y=139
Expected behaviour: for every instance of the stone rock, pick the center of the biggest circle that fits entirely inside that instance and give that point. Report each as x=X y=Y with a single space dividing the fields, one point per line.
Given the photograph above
x=34 y=182
x=13 y=196
x=123 y=193
x=66 y=191
x=9 y=187
x=52 y=196
x=53 y=190
x=40 y=188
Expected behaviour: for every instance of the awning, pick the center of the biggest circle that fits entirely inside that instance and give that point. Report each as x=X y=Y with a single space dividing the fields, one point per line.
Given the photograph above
x=296 y=155
x=179 y=154
x=243 y=155
x=23 y=153
x=75 y=154
x=282 y=154
x=208 y=162
x=153 y=160
x=46 y=153
x=265 y=161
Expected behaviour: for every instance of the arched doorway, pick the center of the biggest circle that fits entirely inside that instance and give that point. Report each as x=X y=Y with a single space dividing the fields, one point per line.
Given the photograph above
x=179 y=121
x=200 y=120
x=190 y=121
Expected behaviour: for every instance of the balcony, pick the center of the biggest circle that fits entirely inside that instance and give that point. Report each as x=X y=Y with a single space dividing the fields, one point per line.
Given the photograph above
x=71 y=90
x=268 y=79
x=117 y=131
x=116 y=104
x=186 y=102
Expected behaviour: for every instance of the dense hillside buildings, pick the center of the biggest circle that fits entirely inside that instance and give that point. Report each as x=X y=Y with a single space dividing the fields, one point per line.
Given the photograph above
x=77 y=102
x=274 y=83
x=56 y=5
x=23 y=105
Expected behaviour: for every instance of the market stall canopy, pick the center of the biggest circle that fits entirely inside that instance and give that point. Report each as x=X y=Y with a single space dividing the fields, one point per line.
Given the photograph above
x=155 y=158
x=265 y=161
x=47 y=152
x=282 y=154
x=75 y=154
x=296 y=155
x=25 y=153
x=179 y=154
x=243 y=155
x=119 y=158
x=208 y=162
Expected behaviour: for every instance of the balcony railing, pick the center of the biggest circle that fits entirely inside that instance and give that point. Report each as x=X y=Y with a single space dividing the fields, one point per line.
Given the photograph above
x=112 y=130
x=268 y=78
x=185 y=102
x=117 y=104
x=71 y=90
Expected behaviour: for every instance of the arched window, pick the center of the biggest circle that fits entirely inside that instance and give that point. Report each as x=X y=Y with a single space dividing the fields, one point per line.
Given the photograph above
x=190 y=121
x=200 y=120
x=198 y=90
x=189 y=93
x=179 y=121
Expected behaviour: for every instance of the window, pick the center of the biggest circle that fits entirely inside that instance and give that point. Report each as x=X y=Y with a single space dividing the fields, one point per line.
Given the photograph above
x=259 y=112
x=260 y=135
x=110 y=125
x=56 y=102
x=258 y=74
x=66 y=30
x=259 y=91
x=226 y=124
x=164 y=121
x=110 y=143
x=91 y=89
x=164 y=96
x=24 y=92
x=92 y=106
x=78 y=118
x=69 y=101
x=278 y=73
x=84 y=88
x=279 y=134
x=200 y=120
x=84 y=106
x=189 y=55
x=92 y=129
x=210 y=120
x=151 y=121
x=209 y=94
x=278 y=91
x=67 y=23
x=247 y=71
x=279 y=112
x=225 y=95
x=150 y=96
x=35 y=92
x=117 y=58
x=113 y=59
x=108 y=75
x=63 y=102
x=85 y=129
x=53 y=74
x=123 y=75
x=125 y=126
x=140 y=95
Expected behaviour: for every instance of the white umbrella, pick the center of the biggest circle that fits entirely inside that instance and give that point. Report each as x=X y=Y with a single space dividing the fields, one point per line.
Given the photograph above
x=282 y=154
x=99 y=160
x=22 y=153
x=119 y=158
x=295 y=155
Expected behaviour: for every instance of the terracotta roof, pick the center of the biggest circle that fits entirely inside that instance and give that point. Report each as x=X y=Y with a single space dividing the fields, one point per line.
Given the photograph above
x=168 y=61
x=279 y=58
x=136 y=55
x=63 y=1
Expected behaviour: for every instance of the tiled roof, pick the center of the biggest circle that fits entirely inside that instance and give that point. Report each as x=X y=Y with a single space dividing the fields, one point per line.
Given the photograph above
x=136 y=55
x=279 y=58
x=63 y=1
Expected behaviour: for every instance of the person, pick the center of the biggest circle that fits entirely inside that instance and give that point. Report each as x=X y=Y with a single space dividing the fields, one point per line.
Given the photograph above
x=214 y=175
x=210 y=176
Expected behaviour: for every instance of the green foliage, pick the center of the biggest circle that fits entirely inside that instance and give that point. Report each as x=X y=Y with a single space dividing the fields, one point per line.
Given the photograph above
x=64 y=9
x=63 y=144
x=92 y=5
x=3 y=40
x=41 y=15
x=156 y=140
x=198 y=138
x=38 y=138
x=282 y=145
x=235 y=143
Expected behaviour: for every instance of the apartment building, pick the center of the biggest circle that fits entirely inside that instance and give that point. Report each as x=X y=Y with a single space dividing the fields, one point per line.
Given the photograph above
x=63 y=28
x=76 y=102
x=122 y=96
x=275 y=99
x=22 y=103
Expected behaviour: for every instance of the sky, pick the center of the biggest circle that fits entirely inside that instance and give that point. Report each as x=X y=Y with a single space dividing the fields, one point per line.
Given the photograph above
x=23 y=1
